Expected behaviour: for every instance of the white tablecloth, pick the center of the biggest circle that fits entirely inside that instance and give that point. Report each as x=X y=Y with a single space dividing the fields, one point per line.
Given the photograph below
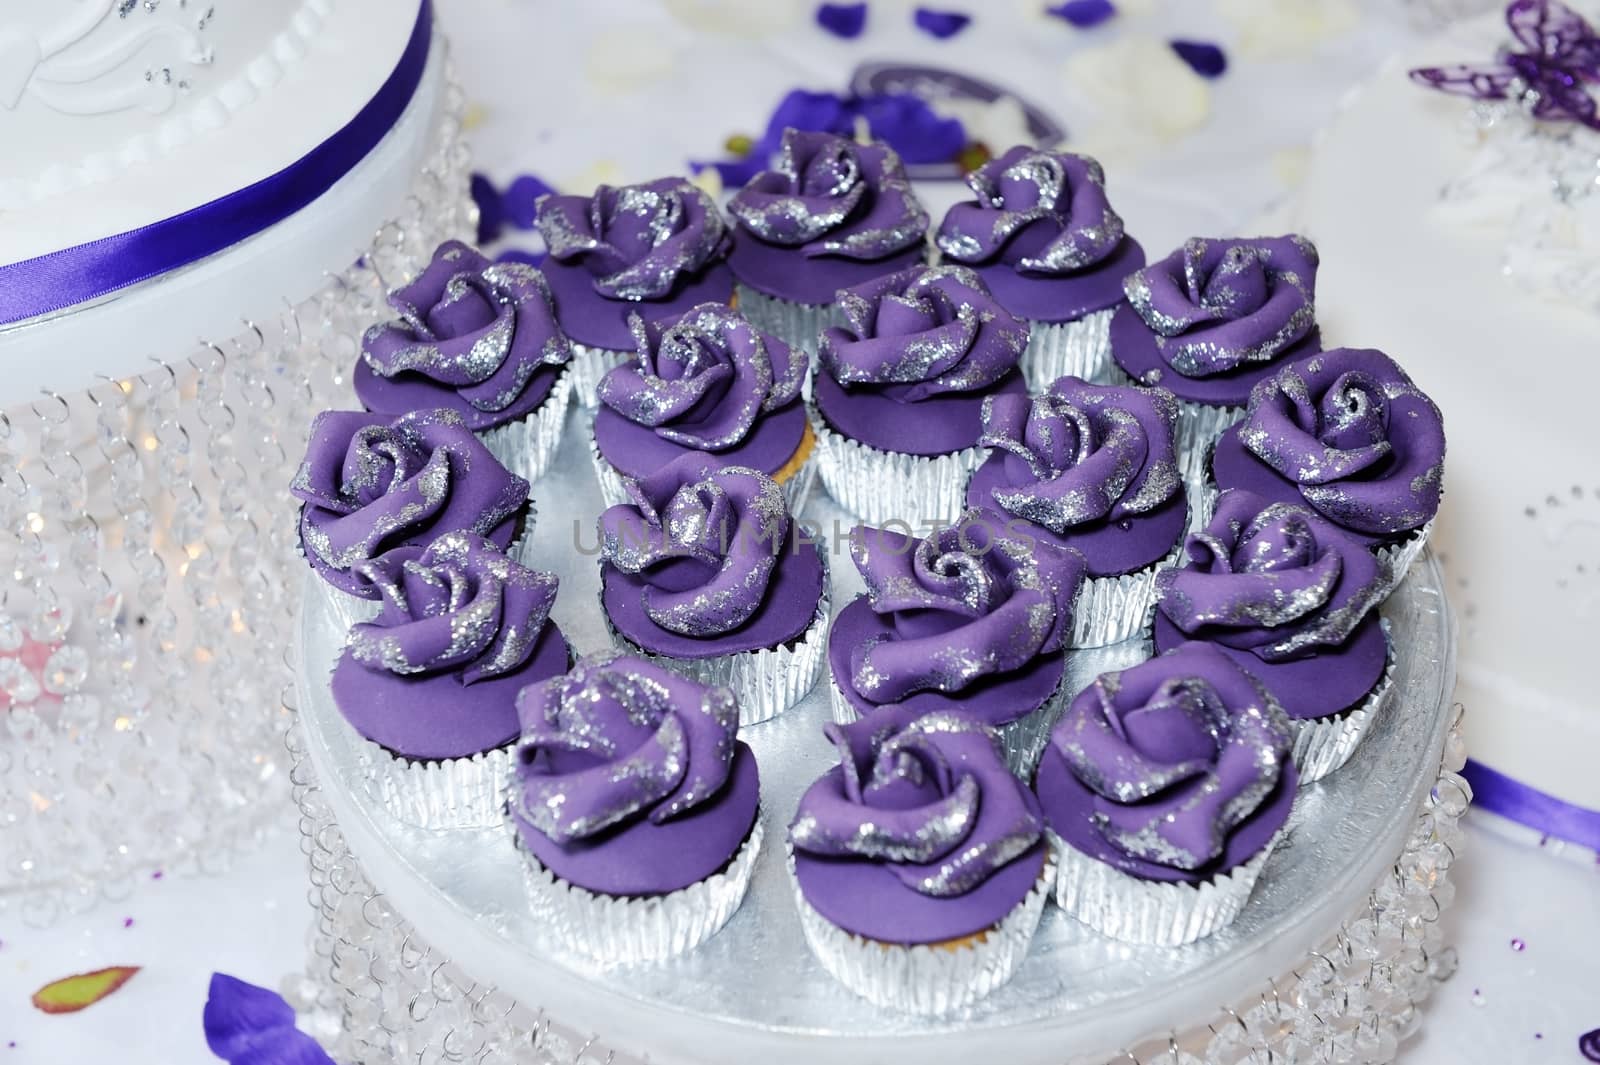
x=613 y=91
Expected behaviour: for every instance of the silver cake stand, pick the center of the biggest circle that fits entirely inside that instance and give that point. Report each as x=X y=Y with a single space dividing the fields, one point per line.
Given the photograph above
x=425 y=949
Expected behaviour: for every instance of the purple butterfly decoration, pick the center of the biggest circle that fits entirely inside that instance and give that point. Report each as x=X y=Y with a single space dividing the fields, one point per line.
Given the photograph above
x=1551 y=76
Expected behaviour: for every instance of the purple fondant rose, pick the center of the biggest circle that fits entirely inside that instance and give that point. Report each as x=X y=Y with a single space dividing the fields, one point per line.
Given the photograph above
x=702 y=381
x=1178 y=753
x=1363 y=444
x=369 y=484
x=472 y=335
x=462 y=606
x=968 y=602
x=1059 y=197
x=920 y=333
x=829 y=196
x=639 y=242
x=616 y=741
x=1273 y=579
x=930 y=798
x=1083 y=453
x=1218 y=305
x=705 y=539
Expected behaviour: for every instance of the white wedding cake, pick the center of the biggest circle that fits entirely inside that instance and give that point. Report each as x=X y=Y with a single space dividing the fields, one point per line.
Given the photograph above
x=1464 y=238
x=202 y=203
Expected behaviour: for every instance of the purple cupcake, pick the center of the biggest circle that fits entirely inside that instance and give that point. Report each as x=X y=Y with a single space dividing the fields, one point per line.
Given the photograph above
x=1043 y=236
x=706 y=572
x=1165 y=787
x=371 y=484
x=1349 y=435
x=654 y=249
x=973 y=618
x=1091 y=467
x=635 y=807
x=919 y=862
x=1212 y=320
x=1291 y=599
x=898 y=401
x=431 y=683
x=478 y=338
x=708 y=383
x=831 y=215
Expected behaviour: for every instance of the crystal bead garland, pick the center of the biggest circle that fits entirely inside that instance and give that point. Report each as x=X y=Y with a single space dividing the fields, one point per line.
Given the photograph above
x=377 y=993
x=145 y=569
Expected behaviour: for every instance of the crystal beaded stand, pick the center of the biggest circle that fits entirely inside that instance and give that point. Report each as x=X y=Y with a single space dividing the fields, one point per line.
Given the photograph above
x=1361 y=879
x=145 y=550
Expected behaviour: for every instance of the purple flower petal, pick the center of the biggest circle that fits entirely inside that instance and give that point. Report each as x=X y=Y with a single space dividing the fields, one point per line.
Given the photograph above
x=1208 y=60
x=842 y=20
x=908 y=125
x=516 y=207
x=491 y=216
x=940 y=24
x=1589 y=1045
x=521 y=200
x=249 y=1025
x=1083 y=13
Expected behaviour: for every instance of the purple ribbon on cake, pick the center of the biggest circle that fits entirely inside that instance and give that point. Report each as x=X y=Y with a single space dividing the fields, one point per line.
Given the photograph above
x=931 y=798
x=828 y=195
x=1365 y=445
x=970 y=601
x=704 y=538
x=1083 y=453
x=702 y=380
x=1059 y=193
x=476 y=329
x=1218 y=305
x=638 y=241
x=369 y=483
x=654 y=745
x=920 y=333
x=462 y=605
x=84 y=272
x=1274 y=579
x=1178 y=751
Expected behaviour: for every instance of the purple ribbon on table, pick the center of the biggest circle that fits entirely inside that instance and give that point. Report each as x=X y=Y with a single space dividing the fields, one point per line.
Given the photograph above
x=1526 y=805
x=84 y=272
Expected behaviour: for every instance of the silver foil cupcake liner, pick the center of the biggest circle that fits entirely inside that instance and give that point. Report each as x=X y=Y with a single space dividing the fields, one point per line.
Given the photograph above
x=1199 y=425
x=614 y=483
x=765 y=682
x=618 y=930
x=527 y=446
x=588 y=366
x=884 y=486
x=1023 y=741
x=798 y=324
x=1109 y=610
x=1057 y=349
x=1323 y=744
x=1164 y=914
x=348 y=609
x=1401 y=555
x=926 y=979
x=450 y=793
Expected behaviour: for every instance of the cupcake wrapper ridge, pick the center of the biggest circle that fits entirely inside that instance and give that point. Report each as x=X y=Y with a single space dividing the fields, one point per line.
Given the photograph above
x=1323 y=744
x=884 y=486
x=1057 y=349
x=451 y=793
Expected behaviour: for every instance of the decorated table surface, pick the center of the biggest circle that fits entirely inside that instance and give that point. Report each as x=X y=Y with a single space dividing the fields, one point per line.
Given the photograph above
x=1221 y=148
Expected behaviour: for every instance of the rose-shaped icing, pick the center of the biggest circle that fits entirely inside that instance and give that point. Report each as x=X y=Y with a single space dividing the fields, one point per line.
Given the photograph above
x=1362 y=443
x=461 y=606
x=702 y=381
x=1178 y=753
x=969 y=602
x=1219 y=305
x=829 y=196
x=616 y=741
x=639 y=242
x=1082 y=453
x=704 y=539
x=1062 y=193
x=921 y=333
x=370 y=483
x=928 y=798
x=472 y=335
x=1273 y=579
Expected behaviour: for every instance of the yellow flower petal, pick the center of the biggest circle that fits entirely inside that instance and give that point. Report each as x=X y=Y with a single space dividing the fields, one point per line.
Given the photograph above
x=74 y=993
